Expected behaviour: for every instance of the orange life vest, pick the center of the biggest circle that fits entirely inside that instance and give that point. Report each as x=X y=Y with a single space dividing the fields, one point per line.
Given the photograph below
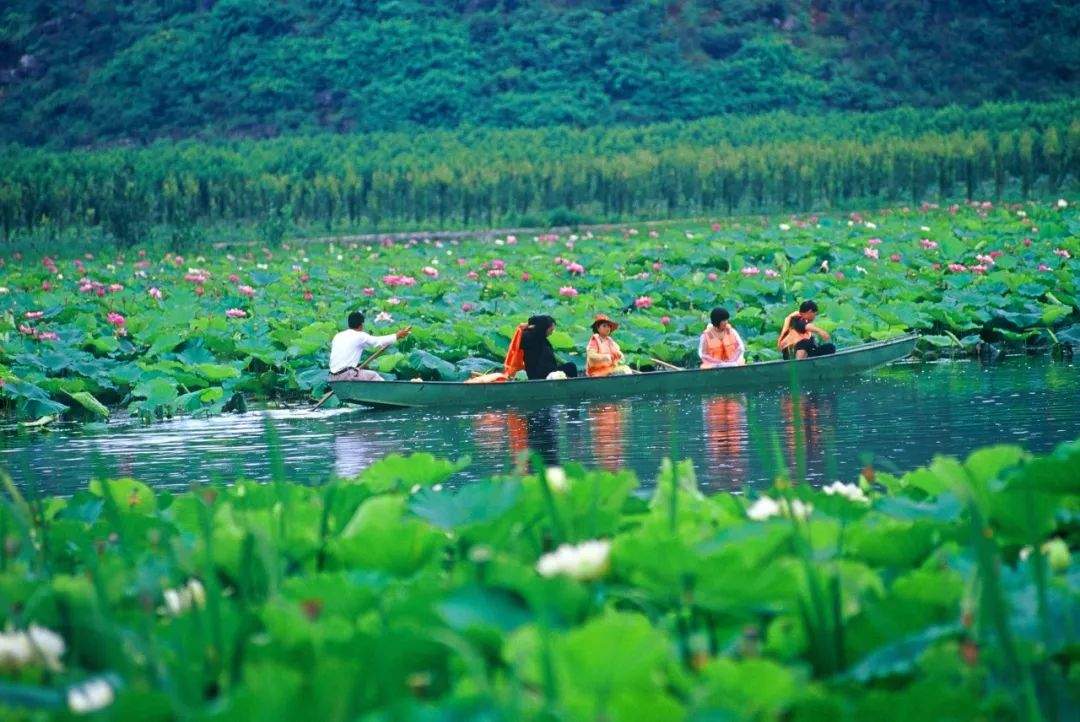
x=720 y=345
x=600 y=345
x=515 y=357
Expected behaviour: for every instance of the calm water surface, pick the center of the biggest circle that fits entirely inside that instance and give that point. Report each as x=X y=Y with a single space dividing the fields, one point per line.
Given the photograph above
x=899 y=417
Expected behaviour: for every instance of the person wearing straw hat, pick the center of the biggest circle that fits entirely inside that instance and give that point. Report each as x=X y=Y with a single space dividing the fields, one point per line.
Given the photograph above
x=602 y=354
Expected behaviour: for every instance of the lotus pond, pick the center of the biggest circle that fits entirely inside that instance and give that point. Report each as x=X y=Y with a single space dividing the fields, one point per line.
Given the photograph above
x=896 y=417
x=161 y=334
x=948 y=592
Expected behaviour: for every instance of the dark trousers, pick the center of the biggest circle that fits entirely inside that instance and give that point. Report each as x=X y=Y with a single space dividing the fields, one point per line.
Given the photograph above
x=569 y=369
x=811 y=348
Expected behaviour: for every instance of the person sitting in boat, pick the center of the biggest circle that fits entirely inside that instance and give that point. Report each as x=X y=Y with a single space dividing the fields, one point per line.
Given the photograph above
x=808 y=311
x=800 y=343
x=348 y=345
x=539 y=356
x=720 y=343
x=602 y=354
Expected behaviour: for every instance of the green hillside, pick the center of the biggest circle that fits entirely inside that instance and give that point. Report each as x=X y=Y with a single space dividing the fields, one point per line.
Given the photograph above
x=76 y=73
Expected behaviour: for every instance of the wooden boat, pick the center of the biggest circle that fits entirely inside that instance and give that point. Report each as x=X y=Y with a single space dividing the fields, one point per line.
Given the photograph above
x=845 y=362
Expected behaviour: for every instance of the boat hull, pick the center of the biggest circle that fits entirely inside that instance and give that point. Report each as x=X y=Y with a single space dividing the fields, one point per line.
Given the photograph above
x=846 y=362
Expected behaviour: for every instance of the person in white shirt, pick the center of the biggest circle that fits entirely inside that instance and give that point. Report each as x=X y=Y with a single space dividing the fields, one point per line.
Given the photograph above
x=348 y=345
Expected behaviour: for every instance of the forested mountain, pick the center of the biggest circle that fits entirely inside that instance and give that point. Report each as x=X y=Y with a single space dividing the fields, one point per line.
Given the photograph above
x=93 y=72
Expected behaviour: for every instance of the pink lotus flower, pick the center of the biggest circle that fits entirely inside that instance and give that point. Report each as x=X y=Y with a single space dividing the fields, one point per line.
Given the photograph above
x=874 y=242
x=1027 y=243
x=155 y=293
x=472 y=275
x=525 y=277
x=984 y=259
x=498 y=265
x=996 y=254
x=461 y=261
x=643 y=302
x=467 y=307
x=305 y=277
x=666 y=320
x=511 y=240
x=656 y=266
x=839 y=275
x=770 y=273
x=384 y=317
x=34 y=314
x=368 y=291
x=308 y=295
x=196 y=276
x=716 y=227
x=568 y=292
x=1064 y=253
x=575 y=268
x=236 y=313
x=895 y=258
x=936 y=266
x=928 y=244
x=99 y=290
x=957 y=267
x=654 y=234
x=496 y=272
x=246 y=291
x=712 y=276
x=394 y=301
x=46 y=286
x=870 y=252
x=116 y=319
x=430 y=271
x=233 y=278
x=1044 y=267
x=749 y=271
x=27 y=330
x=47 y=336
x=394 y=279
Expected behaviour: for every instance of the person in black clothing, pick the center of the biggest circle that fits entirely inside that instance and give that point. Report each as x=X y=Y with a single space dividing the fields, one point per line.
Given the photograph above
x=539 y=355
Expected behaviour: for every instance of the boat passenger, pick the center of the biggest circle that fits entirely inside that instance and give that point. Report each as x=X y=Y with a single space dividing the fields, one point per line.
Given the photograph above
x=808 y=311
x=348 y=345
x=539 y=356
x=602 y=354
x=800 y=341
x=720 y=343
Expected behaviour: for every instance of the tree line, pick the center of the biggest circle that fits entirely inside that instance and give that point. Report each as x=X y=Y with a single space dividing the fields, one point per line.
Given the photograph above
x=474 y=178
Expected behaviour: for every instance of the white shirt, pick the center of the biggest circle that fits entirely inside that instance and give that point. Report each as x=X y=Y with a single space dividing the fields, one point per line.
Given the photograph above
x=348 y=345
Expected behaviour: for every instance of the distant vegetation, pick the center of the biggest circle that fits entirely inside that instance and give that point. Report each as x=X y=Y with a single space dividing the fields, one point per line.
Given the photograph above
x=491 y=177
x=76 y=73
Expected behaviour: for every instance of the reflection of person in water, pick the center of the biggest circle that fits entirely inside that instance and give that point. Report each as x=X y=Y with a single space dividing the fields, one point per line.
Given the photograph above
x=725 y=437
x=356 y=451
x=500 y=432
x=815 y=408
x=606 y=424
x=541 y=429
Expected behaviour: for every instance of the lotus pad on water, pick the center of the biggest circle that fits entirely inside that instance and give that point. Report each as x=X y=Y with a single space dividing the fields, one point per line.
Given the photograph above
x=164 y=334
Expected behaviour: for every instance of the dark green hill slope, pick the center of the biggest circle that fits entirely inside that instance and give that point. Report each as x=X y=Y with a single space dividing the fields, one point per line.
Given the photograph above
x=90 y=72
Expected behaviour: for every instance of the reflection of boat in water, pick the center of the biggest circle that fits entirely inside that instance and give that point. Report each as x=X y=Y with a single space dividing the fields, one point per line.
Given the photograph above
x=543 y=391
x=606 y=422
x=726 y=435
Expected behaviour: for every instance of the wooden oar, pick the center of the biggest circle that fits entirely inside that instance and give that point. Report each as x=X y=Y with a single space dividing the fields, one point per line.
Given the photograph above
x=364 y=365
x=666 y=365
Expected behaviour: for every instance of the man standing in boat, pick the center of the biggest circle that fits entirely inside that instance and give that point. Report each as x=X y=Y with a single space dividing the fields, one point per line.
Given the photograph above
x=348 y=345
x=808 y=311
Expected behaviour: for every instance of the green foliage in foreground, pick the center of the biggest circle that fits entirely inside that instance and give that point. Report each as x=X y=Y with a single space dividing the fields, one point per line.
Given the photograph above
x=950 y=592
x=484 y=177
x=155 y=334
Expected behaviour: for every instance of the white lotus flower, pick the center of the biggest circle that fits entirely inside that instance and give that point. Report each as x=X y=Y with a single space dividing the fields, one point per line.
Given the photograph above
x=4 y=289
x=870 y=225
x=48 y=646
x=1021 y=214
x=556 y=478
x=90 y=696
x=766 y=508
x=1062 y=203
x=384 y=317
x=924 y=229
x=15 y=650
x=180 y=600
x=585 y=561
x=851 y=492
x=784 y=227
x=825 y=265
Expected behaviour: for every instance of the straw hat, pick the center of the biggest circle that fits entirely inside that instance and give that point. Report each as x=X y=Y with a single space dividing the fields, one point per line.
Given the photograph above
x=601 y=318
